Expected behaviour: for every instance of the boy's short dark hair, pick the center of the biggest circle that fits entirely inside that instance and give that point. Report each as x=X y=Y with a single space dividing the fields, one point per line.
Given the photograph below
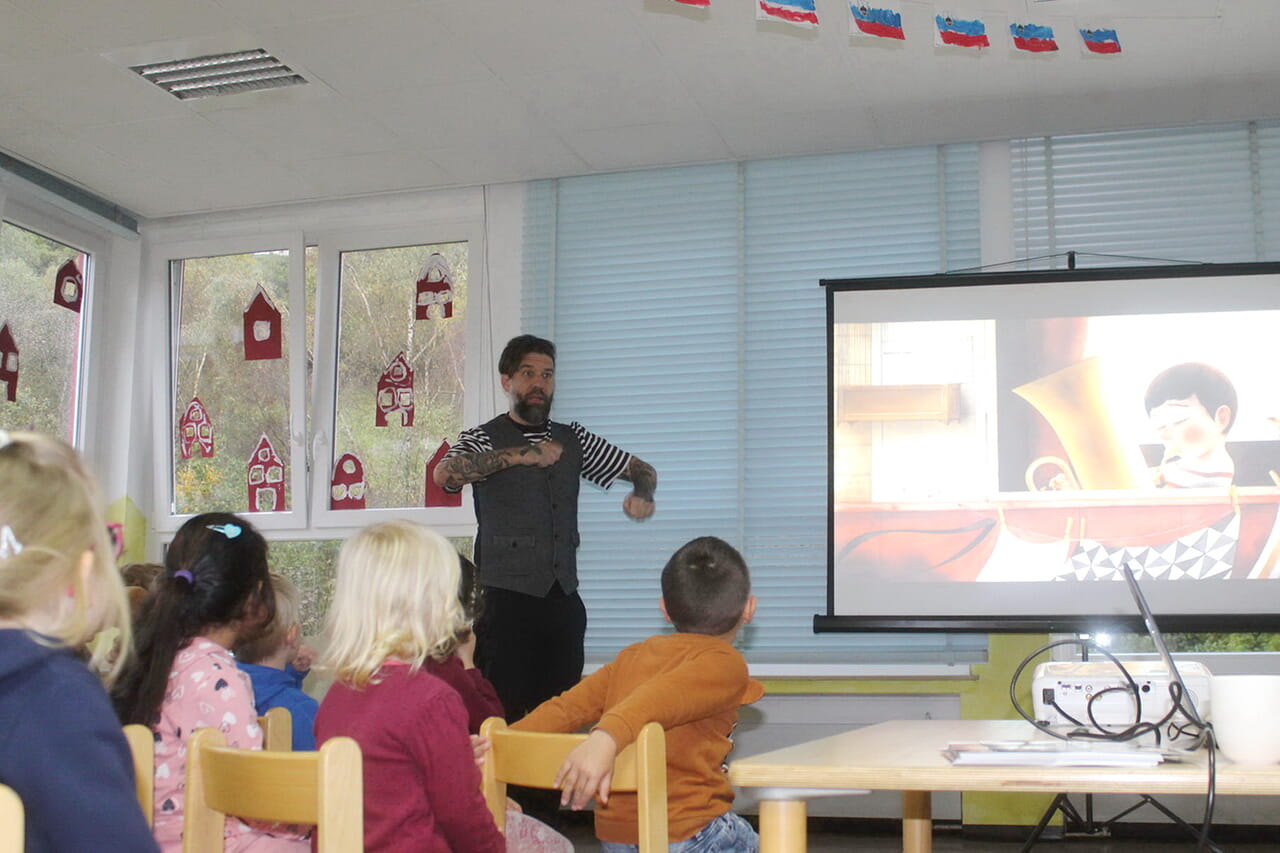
x=1207 y=384
x=705 y=586
x=520 y=346
x=266 y=643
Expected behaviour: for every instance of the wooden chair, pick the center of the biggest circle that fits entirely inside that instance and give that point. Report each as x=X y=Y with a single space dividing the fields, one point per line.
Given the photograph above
x=277 y=730
x=12 y=821
x=324 y=788
x=531 y=759
x=142 y=743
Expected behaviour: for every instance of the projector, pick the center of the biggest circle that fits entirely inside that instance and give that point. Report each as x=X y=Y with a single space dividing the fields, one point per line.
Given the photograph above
x=1062 y=688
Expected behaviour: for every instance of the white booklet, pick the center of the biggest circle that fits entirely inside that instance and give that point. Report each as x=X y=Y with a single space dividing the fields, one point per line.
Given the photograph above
x=1053 y=753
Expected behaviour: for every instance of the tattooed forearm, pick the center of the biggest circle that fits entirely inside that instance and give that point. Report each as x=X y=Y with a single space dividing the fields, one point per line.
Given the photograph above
x=458 y=471
x=643 y=477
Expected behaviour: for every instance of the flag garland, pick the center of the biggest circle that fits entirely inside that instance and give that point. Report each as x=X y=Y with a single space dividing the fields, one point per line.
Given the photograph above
x=1033 y=38
x=957 y=32
x=801 y=12
x=878 y=23
x=1100 y=40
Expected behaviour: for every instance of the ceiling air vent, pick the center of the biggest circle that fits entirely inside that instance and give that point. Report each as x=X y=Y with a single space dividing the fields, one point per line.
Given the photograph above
x=220 y=74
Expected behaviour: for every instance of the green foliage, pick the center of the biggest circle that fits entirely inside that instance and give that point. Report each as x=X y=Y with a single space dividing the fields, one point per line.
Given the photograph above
x=47 y=335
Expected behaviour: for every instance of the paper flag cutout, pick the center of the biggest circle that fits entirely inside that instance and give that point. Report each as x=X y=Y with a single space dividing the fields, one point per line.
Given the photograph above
x=694 y=2
x=262 y=337
x=434 y=495
x=9 y=363
x=1033 y=38
x=265 y=478
x=68 y=286
x=960 y=33
x=878 y=23
x=801 y=12
x=347 y=488
x=195 y=430
x=1100 y=40
x=435 y=288
x=395 y=393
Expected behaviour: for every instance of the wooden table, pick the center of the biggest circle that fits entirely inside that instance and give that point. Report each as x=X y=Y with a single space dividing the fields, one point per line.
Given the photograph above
x=907 y=756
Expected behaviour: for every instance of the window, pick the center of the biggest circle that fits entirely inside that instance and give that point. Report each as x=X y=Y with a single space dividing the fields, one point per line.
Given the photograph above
x=43 y=283
x=691 y=331
x=231 y=384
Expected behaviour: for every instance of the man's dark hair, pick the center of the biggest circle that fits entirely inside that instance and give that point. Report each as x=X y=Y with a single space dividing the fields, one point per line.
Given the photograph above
x=706 y=585
x=1207 y=384
x=520 y=346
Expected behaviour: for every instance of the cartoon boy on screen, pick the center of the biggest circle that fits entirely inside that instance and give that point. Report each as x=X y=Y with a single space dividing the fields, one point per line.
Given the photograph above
x=1191 y=406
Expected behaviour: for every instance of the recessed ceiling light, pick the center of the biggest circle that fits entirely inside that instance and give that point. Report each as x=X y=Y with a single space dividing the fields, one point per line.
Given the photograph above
x=220 y=74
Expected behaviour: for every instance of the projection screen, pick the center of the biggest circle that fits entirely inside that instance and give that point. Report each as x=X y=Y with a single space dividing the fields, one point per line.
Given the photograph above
x=1001 y=444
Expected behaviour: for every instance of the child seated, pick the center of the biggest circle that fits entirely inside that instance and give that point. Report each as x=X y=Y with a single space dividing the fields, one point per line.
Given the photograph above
x=458 y=670
x=395 y=606
x=692 y=682
x=277 y=662
x=61 y=747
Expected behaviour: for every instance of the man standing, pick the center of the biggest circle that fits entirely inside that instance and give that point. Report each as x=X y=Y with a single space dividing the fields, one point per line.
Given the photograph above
x=524 y=470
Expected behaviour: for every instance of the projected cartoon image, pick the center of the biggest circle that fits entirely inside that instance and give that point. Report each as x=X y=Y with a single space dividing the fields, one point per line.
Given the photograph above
x=1056 y=449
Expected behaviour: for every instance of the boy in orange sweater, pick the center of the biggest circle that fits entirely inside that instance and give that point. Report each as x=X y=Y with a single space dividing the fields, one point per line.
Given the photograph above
x=692 y=682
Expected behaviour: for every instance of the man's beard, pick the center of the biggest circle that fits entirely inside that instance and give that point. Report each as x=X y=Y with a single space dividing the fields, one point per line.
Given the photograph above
x=536 y=412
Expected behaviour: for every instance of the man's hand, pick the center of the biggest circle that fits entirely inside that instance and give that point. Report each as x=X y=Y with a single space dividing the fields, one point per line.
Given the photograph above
x=587 y=771
x=303 y=658
x=637 y=507
x=544 y=454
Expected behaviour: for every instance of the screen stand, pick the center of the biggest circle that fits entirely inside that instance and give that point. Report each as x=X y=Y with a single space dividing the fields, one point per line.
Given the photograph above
x=1074 y=822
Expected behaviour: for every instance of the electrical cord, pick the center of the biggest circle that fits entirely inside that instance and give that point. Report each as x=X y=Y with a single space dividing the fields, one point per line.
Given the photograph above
x=1197 y=728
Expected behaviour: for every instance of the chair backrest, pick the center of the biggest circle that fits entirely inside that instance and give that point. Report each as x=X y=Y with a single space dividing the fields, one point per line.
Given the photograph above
x=142 y=743
x=277 y=730
x=324 y=788
x=531 y=759
x=12 y=821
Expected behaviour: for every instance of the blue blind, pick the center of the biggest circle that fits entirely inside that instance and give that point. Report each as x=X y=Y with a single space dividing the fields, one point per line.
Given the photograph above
x=1190 y=194
x=691 y=331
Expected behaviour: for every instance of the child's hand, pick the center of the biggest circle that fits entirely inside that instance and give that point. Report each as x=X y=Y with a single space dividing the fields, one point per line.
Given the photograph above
x=466 y=650
x=587 y=771
x=303 y=658
x=479 y=746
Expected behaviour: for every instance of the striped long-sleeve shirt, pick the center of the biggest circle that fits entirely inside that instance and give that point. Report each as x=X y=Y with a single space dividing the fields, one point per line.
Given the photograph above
x=602 y=462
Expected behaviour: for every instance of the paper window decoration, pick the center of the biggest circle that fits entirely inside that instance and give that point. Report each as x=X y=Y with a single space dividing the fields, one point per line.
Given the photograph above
x=801 y=12
x=265 y=478
x=347 y=488
x=1033 y=38
x=395 y=393
x=434 y=495
x=262 y=328
x=196 y=430
x=435 y=288
x=1098 y=40
x=115 y=532
x=961 y=33
x=9 y=363
x=68 y=286
x=877 y=23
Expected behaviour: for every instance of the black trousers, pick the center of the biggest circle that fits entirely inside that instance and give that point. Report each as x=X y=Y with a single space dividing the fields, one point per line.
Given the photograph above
x=530 y=648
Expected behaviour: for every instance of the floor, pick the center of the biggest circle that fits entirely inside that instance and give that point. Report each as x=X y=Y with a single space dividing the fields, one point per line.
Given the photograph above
x=830 y=836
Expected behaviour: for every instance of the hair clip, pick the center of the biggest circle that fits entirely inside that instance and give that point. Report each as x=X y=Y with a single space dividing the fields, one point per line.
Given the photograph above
x=231 y=531
x=185 y=573
x=9 y=544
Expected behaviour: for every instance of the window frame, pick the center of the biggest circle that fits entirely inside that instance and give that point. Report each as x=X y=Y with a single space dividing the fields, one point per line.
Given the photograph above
x=165 y=520
x=448 y=521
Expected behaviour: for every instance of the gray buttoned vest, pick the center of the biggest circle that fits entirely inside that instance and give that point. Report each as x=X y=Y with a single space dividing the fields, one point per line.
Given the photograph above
x=528 y=516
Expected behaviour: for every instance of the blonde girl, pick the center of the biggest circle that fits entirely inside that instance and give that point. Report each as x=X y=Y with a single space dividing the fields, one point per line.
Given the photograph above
x=395 y=607
x=61 y=747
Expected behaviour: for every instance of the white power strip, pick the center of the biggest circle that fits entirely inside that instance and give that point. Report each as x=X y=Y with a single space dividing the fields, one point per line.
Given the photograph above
x=1067 y=686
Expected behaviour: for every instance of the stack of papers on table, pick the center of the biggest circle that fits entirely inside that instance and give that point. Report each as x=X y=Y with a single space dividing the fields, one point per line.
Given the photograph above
x=1053 y=753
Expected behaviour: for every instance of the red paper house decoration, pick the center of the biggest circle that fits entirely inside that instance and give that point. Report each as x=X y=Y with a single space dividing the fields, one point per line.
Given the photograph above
x=195 y=430
x=68 y=286
x=435 y=288
x=346 y=490
x=262 y=338
x=265 y=477
x=8 y=363
x=434 y=495
x=395 y=393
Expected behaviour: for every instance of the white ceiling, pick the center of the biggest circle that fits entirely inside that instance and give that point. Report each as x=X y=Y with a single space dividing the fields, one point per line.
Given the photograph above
x=410 y=94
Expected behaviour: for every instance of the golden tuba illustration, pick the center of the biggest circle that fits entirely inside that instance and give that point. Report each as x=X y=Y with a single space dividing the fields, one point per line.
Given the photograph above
x=1071 y=401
